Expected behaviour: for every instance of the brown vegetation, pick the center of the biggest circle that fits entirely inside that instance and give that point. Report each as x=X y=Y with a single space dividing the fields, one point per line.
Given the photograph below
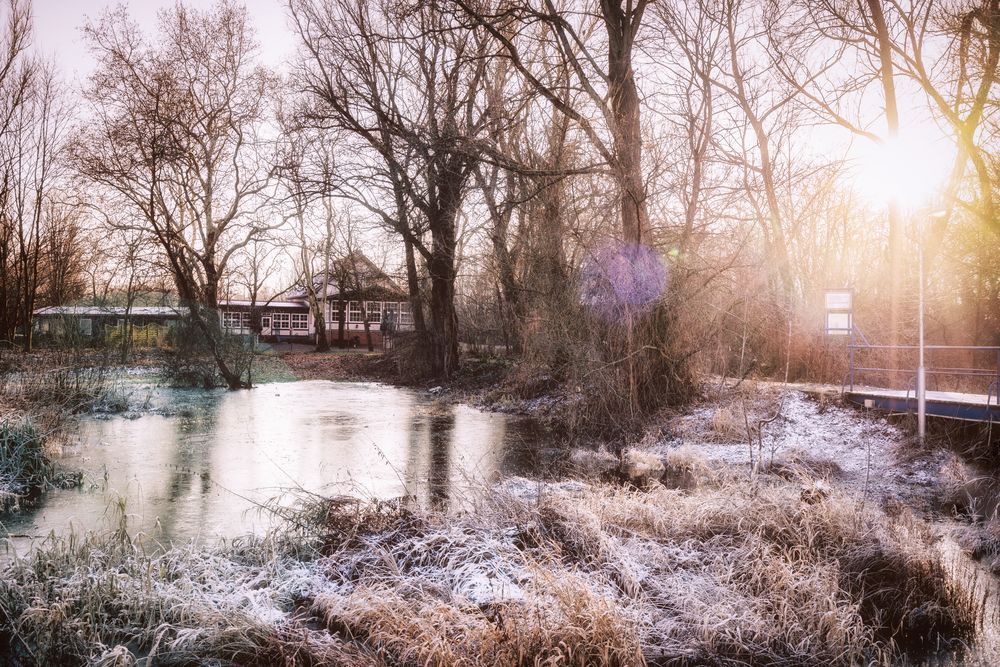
x=576 y=574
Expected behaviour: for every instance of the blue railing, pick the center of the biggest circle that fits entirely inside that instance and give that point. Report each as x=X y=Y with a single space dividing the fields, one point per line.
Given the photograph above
x=990 y=374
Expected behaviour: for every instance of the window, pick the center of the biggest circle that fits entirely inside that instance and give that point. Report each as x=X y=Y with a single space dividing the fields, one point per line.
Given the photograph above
x=281 y=321
x=86 y=326
x=354 y=312
x=235 y=320
x=374 y=309
x=390 y=312
x=405 y=316
x=300 y=321
x=333 y=319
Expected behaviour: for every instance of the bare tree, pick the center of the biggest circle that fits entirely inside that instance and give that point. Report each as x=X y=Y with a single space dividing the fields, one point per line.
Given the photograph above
x=406 y=86
x=32 y=151
x=607 y=83
x=307 y=177
x=177 y=136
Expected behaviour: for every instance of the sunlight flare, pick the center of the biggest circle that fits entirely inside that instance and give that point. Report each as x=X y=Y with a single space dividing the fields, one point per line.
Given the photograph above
x=910 y=169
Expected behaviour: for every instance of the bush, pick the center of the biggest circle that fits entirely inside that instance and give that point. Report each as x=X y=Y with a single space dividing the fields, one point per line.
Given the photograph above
x=191 y=361
x=70 y=382
x=24 y=467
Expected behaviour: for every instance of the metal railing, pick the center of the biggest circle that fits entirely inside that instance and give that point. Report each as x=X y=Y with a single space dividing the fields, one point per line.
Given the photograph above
x=984 y=373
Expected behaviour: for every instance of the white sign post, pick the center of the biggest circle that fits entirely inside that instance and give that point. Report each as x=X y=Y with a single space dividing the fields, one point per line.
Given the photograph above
x=839 y=312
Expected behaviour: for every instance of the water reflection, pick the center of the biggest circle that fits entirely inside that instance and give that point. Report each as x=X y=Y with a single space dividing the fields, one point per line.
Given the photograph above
x=202 y=472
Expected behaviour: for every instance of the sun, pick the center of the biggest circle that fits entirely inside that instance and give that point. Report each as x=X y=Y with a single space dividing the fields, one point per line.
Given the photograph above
x=909 y=170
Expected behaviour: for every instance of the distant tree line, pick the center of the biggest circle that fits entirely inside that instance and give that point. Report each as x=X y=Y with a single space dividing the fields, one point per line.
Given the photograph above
x=620 y=191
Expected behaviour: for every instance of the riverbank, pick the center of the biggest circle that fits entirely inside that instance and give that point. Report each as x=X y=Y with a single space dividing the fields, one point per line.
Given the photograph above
x=710 y=571
x=758 y=524
x=493 y=383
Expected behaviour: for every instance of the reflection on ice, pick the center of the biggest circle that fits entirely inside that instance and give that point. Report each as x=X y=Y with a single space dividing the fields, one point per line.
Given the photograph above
x=201 y=472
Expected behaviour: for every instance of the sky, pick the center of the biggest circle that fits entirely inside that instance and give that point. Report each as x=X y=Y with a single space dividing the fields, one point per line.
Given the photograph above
x=58 y=35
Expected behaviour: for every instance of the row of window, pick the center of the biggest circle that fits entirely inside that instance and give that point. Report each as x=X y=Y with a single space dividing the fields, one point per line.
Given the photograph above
x=290 y=321
x=399 y=311
x=235 y=320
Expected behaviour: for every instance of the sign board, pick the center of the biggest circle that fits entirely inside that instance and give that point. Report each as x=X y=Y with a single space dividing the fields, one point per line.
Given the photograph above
x=839 y=299
x=839 y=306
x=838 y=324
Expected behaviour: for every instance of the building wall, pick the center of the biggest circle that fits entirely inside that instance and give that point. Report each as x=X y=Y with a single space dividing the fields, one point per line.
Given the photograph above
x=298 y=325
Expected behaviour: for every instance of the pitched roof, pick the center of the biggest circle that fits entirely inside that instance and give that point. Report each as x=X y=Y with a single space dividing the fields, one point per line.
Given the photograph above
x=353 y=268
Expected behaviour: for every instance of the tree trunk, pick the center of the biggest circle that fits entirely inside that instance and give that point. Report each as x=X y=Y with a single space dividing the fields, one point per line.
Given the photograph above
x=895 y=249
x=626 y=129
x=319 y=320
x=341 y=321
x=413 y=288
x=444 y=319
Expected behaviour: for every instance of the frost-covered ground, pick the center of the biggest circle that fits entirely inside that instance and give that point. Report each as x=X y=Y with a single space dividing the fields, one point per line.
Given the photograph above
x=568 y=573
x=810 y=438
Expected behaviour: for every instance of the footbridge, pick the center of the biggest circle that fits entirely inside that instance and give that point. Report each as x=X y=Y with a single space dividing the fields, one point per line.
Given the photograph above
x=963 y=381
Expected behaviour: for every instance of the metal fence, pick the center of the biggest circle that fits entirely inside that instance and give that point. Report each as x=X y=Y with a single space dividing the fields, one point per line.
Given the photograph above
x=964 y=368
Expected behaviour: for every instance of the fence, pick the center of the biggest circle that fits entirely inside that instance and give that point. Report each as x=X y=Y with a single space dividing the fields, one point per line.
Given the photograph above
x=965 y=368
x=148 y=335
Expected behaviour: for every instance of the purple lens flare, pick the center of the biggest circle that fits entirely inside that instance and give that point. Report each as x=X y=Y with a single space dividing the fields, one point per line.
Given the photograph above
x=622 y=277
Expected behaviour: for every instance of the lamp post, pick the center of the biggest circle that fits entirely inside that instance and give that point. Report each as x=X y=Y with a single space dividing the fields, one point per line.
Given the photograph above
x=921 y=371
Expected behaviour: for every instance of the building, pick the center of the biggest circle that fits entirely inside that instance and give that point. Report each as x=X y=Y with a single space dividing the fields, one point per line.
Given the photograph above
x=91 y=324
x=355 y=285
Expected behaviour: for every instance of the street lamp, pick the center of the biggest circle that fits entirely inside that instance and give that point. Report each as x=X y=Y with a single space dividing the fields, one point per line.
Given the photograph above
x=904 y=172
x=921 y=371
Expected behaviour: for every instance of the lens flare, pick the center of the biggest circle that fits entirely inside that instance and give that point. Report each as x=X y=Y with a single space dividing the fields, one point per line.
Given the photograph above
x=622 y=278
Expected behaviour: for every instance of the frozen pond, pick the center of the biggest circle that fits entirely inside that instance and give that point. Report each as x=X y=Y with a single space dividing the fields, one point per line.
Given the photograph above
x=202 y=463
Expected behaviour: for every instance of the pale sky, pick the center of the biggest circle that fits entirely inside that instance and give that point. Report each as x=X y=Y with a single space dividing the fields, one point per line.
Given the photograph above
x=58 y=22
x=58 y=35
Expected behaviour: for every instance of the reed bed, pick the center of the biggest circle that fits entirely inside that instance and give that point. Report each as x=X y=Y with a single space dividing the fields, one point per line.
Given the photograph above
x=717 y=573
x=25 y=467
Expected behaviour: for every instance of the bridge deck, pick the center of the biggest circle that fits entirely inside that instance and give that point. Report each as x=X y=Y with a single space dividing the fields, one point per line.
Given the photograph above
x=952 y=405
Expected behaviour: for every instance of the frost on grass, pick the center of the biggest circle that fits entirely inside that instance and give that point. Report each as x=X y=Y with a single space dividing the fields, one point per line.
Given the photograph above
x=807 y=439
x=574 y=574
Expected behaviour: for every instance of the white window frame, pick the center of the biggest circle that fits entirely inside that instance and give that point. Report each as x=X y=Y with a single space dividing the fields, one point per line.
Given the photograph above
x=354 y=314
x=300 y=321
x=374 y=311
x=404 y=315
x=281 y=321
x=234 y=319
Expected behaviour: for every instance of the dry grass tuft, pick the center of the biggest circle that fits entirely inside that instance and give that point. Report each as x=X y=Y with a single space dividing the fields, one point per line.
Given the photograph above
x=964 y=490
x=728 y=424
x=721 y=573
x=687 y=468
x=798 y=465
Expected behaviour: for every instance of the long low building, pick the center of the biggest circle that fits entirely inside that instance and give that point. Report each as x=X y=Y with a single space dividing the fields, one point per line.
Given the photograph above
x=381 y=308
x=293 y=320
x=274 y=321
